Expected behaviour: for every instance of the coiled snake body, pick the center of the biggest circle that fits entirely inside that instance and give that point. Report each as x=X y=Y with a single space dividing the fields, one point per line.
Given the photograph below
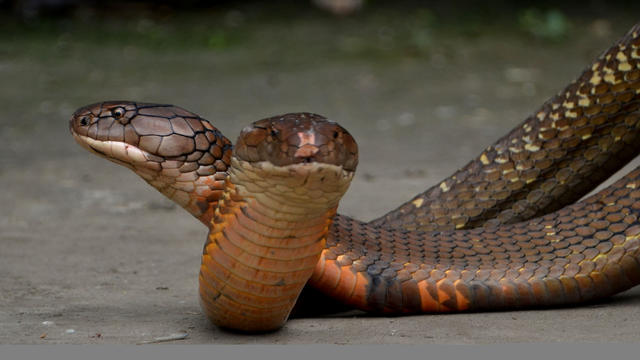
x=496 y=234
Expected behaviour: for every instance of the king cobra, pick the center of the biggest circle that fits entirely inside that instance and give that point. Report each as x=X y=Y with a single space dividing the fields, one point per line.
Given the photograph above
x=505 y=231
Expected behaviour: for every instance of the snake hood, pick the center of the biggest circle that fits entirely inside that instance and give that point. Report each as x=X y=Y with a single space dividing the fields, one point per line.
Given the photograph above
x=285 y=181
x=303 y=160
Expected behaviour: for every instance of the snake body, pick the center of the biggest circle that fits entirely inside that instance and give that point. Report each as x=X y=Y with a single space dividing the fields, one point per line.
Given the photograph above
x=286 y=178
x=411 y=260
x=568 y=146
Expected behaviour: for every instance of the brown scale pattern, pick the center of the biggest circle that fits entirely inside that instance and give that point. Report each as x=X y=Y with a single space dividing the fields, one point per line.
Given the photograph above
x=584 y=251
x=581 y=252
x=571 y=144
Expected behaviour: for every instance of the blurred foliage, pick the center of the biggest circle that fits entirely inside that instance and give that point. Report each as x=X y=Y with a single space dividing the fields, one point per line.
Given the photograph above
x=549 y=25
x=383 y=29
x=372 y=33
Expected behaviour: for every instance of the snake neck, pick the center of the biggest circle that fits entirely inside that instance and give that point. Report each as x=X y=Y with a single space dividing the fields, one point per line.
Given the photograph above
x=265 y=241
x=197 y=190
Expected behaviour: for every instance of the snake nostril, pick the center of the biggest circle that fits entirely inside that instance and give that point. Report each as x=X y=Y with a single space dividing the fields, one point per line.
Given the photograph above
x=84 y=121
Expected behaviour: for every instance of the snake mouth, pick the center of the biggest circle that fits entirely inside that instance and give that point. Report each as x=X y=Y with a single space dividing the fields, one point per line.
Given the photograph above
x=97 y=151
x=116 y=151
x=112 y=159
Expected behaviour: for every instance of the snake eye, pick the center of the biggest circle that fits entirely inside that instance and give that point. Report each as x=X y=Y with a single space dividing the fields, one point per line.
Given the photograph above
x=274 y=133
x=84 y=121
x=118 y=112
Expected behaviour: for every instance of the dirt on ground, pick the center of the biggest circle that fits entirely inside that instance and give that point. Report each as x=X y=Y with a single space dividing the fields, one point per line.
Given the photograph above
x=89 y=253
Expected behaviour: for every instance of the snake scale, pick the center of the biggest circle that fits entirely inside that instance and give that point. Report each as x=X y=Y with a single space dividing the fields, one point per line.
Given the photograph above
x=502 y=232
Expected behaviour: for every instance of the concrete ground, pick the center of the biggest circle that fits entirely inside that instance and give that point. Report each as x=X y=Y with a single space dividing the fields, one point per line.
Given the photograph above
x=89 y=253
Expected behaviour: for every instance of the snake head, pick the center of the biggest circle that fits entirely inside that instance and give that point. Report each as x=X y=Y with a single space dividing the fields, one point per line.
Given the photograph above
x=297 y=138
x=179 y=153
x=140 y=134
